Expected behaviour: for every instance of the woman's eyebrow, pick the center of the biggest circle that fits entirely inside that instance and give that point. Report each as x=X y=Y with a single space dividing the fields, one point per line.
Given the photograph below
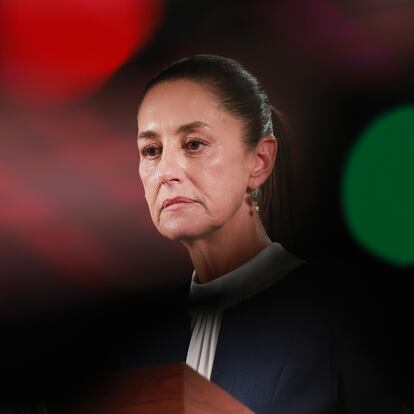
x=191 y=126
x=147 y=134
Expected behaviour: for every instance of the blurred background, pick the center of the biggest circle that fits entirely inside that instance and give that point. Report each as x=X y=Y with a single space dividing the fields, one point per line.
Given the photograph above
x=73 y=220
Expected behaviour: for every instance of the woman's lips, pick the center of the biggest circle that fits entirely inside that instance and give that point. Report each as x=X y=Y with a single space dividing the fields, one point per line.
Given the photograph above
x=175 y=203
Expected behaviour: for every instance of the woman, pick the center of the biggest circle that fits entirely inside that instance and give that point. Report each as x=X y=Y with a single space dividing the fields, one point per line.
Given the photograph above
x=210 y=164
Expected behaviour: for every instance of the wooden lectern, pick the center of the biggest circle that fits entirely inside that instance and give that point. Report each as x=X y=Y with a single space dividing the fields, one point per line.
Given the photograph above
x=167 y=389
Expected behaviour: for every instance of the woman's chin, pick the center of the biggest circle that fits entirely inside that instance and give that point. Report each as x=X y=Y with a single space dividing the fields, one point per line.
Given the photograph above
x=181 y=232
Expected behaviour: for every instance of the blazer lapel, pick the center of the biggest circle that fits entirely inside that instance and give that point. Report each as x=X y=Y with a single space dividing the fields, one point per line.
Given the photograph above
x=251 y=350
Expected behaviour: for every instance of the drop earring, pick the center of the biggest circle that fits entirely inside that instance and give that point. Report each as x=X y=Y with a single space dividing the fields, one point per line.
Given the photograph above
x=255 y=196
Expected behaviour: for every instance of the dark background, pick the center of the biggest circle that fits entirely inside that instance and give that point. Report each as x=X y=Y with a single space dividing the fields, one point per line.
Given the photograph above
x=75 y=235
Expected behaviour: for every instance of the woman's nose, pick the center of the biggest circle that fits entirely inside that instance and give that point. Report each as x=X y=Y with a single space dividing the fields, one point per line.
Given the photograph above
x=169 y=168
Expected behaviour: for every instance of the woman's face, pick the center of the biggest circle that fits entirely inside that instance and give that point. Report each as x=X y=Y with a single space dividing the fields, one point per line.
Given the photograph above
x=193 y=164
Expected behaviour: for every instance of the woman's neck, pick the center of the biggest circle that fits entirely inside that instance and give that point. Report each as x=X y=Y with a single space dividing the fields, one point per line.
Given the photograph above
x=226 y=249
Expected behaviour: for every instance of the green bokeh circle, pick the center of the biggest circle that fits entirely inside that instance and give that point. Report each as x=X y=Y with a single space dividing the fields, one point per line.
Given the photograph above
x=378 y=187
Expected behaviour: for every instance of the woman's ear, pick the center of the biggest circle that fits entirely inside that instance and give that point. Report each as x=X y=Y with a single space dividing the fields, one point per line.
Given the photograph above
x=264 y=159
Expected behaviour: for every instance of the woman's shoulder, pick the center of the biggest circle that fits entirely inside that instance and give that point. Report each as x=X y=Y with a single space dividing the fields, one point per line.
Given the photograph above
x=303 y=316
x=310 y=284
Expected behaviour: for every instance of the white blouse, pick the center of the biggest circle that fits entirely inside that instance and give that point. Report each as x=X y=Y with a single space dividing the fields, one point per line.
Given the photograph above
x=213 y=297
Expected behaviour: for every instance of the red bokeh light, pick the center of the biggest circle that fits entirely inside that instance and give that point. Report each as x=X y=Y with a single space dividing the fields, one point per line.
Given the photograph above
x=57 y=50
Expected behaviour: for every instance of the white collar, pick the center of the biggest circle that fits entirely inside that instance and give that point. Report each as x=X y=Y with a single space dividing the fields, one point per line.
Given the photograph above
x=259 y=273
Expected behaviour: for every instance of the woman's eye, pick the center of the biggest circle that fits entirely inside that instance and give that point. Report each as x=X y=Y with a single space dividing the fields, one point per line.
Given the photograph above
x=194 y=144
x=150 y=152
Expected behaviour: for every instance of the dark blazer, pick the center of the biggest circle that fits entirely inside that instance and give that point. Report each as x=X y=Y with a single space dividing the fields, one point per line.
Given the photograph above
x=282 y=351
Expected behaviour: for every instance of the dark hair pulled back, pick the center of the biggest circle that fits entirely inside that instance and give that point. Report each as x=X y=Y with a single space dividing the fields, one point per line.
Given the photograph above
x=241 y=94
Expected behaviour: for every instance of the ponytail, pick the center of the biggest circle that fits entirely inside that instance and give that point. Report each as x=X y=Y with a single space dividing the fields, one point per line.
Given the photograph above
x=276 y=202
